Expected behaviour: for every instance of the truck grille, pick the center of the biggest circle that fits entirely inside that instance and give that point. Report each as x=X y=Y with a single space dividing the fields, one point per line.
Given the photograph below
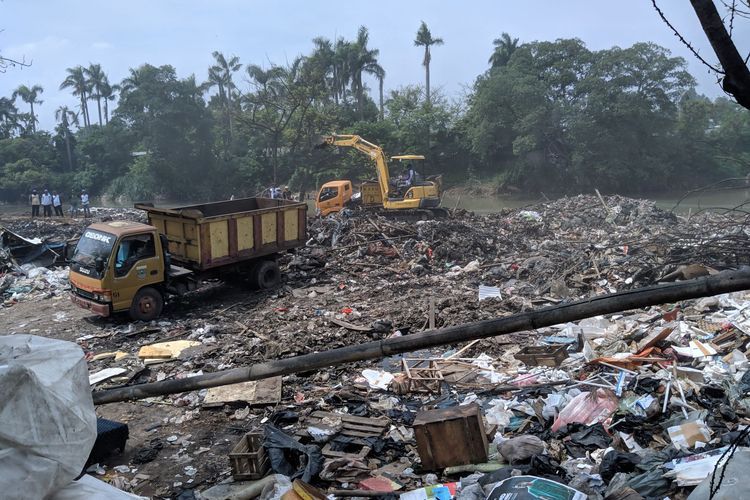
x=84 y=293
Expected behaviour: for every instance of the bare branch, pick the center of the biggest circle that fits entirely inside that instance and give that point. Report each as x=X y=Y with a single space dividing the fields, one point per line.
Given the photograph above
x=682 y=39
x=6 y=62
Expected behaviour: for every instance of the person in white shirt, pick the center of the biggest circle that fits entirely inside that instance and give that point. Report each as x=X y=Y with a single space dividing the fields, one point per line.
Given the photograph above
x=47 y=203
x=57 y=203
x=85 y=204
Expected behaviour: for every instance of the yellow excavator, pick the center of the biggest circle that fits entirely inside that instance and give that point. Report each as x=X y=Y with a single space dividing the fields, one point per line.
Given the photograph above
x=406 y=196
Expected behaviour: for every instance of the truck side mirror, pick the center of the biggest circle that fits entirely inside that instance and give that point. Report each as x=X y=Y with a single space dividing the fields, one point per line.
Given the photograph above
x=99 y=264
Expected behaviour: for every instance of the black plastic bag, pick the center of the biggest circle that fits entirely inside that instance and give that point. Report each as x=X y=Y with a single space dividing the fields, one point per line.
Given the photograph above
x=589 y=438
x=616 y=461
x=290 y=457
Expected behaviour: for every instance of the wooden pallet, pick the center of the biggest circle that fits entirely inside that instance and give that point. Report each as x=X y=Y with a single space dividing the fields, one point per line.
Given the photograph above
x=357 y=428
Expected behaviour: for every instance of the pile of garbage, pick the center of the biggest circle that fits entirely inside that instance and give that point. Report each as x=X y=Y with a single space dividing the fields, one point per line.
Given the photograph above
x=642 y=403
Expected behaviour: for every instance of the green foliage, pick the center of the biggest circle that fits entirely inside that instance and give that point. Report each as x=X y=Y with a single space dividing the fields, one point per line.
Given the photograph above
x=549 y=115
x=557 y=116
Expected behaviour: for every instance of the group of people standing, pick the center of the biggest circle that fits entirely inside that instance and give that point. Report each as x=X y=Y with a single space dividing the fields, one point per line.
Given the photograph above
x=49 y=201
x=281 y=194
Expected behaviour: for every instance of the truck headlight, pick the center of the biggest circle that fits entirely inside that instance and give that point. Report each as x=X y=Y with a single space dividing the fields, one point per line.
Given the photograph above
x=103 y=297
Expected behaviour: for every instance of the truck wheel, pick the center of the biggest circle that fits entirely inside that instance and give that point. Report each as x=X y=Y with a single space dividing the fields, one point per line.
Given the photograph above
x=146 y=305
x=266 y=275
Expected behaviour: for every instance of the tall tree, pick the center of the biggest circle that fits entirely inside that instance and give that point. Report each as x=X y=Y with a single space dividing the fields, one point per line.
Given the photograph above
x=362 y=60
x=77 y=81
x=504 y=48
x=220 y=74
x=96 y=80
x=65 y=117
x=342 y=71
x=380 y=75
x=108 y=94
x=29 y=95
x=425 y=39
x=8 y=117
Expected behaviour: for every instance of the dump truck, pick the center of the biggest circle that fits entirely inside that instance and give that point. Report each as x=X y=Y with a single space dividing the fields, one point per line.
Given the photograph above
x=125 y=266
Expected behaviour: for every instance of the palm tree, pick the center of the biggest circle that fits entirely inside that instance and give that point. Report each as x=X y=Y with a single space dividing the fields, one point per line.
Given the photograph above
x=8 y=117
x=76 y=80
x=425 y=39
x=132 y=82
x=342 y=72
x=29 y=96
x=268 y=79
x=220 y=74
x=108 y=94
x=62 y=115
x=362 y=60
x=504 y=48
x=96 y=80
x=380 y=75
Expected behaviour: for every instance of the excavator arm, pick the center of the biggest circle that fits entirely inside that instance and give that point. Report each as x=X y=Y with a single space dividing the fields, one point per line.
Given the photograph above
x=374 y=151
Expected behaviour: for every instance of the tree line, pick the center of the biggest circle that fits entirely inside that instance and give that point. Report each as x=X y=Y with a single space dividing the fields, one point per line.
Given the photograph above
x=553 y=116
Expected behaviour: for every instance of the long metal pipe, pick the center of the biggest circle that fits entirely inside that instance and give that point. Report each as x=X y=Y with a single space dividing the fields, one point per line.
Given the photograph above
x=727 y=281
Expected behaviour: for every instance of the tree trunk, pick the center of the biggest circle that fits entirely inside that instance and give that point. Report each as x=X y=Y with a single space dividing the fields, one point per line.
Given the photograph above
x=67 y=148
x=99 y=106
x=427 y=72
x=736 y=79
x=382 y=113
x=106 y=112
x=33 y=119
x=275 y=157
x=84 y=109
x=360 y=93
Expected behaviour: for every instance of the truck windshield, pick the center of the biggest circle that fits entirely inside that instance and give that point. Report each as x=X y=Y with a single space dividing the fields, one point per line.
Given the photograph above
x=93 y=245
x=328 y=193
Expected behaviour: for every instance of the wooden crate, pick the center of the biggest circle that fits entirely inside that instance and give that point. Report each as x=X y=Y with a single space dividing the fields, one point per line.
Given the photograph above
x=248 y=458
x=542 y=355
x=450 y=436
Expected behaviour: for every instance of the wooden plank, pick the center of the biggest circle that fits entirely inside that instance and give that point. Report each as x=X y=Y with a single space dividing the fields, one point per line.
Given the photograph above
x=350 y=326
x=262 y=392
x=379 y=422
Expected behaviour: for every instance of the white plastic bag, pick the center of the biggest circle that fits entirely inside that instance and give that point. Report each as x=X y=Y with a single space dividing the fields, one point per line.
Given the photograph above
x=47 y=419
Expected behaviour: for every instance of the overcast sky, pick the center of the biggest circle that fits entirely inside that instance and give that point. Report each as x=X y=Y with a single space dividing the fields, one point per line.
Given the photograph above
x=57 y=34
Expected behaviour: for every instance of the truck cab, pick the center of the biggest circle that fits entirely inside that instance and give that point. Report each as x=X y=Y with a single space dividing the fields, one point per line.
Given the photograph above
x=333 y=197
x=119 y=266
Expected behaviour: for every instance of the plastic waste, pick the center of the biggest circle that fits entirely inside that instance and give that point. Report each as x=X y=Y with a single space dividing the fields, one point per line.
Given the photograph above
x=735 y=483
x=498 y=413
x=291 y=458
x=521 y=448
x=377 y=379
x=91 y=488
x=615 y=461
x=533 y=488
x=47 y=418
x=587 y=439
x=587 y=408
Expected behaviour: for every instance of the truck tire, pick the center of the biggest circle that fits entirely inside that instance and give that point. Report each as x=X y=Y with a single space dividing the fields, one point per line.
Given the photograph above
x=147 y=304
x=266 y=275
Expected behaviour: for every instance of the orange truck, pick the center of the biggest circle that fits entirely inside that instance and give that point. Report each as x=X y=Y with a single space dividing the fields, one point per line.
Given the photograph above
x=124 y=266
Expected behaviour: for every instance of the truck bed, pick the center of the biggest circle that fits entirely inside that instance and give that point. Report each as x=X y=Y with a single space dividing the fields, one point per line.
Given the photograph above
x=211 y=235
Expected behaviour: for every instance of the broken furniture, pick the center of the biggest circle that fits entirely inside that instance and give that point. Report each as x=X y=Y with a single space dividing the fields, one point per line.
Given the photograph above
x=438 y=431
x=248 y=458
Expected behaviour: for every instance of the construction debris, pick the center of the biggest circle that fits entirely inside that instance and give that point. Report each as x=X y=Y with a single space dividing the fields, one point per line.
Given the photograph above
x=624 y=402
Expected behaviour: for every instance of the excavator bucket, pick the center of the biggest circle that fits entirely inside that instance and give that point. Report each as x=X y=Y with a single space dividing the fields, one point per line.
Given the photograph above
x=324 y=141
